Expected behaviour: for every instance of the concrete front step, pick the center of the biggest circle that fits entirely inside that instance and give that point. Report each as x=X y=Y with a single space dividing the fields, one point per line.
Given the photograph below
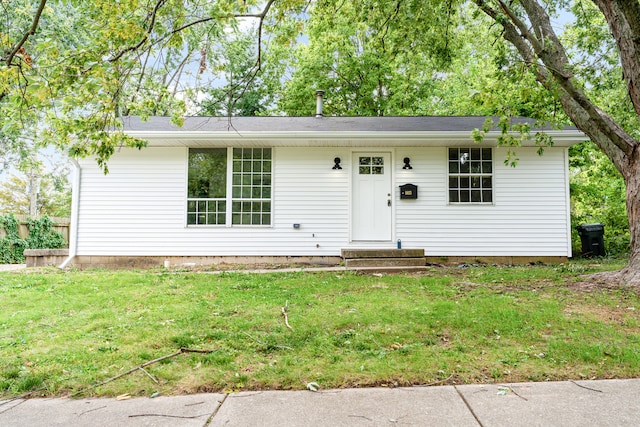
x=382 y=253
x=385 y=262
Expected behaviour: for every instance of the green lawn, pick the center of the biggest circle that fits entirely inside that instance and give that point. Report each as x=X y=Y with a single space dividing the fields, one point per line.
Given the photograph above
x=62 y=332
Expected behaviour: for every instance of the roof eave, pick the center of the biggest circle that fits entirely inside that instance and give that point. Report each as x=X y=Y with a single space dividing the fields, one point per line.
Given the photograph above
x=563 y=138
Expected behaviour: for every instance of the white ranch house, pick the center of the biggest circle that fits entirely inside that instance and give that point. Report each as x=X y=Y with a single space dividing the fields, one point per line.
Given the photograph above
x=304 y=189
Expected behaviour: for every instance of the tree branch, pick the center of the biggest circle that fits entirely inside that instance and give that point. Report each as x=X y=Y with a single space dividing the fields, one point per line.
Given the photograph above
x=142 y=366
x=545 y=52
x=154 y=14
x=25 y=37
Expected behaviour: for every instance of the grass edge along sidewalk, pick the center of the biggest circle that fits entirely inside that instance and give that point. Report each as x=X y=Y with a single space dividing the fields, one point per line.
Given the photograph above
x=66 y=332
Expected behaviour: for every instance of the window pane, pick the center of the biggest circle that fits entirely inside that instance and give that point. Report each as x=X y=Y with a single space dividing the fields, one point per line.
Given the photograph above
x=207 y=182
x=464 y=168
x=470 y=179
x=364 y=170
x=378 y=161
x=207 y=173
x=378 y=170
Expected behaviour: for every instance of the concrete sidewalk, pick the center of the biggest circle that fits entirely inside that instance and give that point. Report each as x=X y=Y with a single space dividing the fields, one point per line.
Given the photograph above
x=567 y=403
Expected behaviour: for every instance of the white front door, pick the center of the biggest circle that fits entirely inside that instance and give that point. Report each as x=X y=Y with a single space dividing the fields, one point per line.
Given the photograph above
x=372 y=201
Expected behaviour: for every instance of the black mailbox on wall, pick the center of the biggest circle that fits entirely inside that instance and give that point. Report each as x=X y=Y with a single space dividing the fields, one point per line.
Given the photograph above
x=408 y=191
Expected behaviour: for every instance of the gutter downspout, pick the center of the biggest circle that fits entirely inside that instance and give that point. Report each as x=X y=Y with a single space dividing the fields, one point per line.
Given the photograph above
x=75 y=204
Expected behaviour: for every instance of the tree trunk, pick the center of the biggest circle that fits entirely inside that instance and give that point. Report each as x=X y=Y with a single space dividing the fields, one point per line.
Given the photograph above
x=629 y=275
x=530 y=31
x=34 y=189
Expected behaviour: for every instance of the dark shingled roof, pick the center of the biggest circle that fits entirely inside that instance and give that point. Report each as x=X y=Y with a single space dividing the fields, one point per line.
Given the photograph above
x=318 y=124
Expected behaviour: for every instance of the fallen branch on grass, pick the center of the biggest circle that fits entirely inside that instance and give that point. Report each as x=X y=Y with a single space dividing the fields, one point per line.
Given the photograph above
x=141 y=367
x=22 y=396
x=286 y=316
x=439 y=382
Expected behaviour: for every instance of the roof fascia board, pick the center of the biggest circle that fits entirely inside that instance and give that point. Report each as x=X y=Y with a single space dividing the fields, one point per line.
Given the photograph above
x=560 y=137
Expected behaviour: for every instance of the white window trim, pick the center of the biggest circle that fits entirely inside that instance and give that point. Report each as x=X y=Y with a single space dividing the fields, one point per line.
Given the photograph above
x=229 y=195
x=492 y=175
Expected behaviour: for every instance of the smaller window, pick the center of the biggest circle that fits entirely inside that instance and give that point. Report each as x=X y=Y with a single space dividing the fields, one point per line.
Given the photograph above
x=470 y=175
x=371 y=165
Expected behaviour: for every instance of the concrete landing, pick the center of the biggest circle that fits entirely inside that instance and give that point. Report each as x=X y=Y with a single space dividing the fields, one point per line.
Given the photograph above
x=355 y=258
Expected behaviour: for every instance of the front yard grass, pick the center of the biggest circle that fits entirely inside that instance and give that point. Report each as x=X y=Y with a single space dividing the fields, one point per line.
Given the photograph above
x=62 y=332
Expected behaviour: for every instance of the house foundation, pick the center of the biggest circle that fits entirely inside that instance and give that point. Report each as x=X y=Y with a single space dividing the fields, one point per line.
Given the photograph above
x=351 y=260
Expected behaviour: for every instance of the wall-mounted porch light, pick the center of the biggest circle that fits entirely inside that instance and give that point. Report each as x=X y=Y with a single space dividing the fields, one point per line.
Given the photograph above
x=407 y=165
x=336 y=166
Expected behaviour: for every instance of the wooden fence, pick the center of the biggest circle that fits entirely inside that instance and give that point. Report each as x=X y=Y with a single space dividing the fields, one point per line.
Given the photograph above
x=60 y=225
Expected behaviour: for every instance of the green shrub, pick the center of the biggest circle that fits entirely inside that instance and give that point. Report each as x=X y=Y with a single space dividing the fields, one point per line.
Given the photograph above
x=598 y=195
x=41 y=236
x=11 y=246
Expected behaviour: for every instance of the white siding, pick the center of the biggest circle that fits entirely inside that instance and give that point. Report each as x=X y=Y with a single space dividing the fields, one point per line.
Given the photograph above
x=139 y=207
x=529 y=215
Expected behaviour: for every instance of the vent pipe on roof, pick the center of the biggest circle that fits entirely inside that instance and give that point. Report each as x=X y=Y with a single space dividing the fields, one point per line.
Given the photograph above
x=319 y=96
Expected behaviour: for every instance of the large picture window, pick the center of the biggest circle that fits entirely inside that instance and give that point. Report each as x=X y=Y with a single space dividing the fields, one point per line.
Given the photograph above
x=470 y=175
x=212 y=201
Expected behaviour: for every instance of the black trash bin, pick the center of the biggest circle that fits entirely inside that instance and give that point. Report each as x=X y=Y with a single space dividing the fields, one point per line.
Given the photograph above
x=592 y=237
